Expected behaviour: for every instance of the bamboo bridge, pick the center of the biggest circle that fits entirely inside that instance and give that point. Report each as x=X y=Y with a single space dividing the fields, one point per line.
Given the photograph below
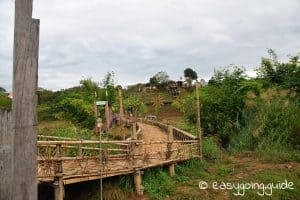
x=63 y=161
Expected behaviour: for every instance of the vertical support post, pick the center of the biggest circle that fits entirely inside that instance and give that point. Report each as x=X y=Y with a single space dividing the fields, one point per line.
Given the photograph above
x=59 y=191
x=138 y=182
x=96 y=128
x=6 y=139
x=169 y=155
x=79 y=146
x=121 y=113
x=170 y=134
x=172 y=170
x=199 y=119
x=25 y=73
x=134 y=135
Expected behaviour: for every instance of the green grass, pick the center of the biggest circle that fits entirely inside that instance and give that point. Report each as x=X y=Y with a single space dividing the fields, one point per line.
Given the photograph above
x=273 y=176
x=158 y=184
x=211 y=149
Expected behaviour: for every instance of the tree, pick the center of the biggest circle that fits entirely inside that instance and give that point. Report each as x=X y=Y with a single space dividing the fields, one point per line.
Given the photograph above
x=134 y=105
x=89 y=85
x=77 y=111
x=286 y=75
x=160 y=79
x=108 y=83
x=153 y=81
x=2 y=90
x=221 y=103
x=190 y=75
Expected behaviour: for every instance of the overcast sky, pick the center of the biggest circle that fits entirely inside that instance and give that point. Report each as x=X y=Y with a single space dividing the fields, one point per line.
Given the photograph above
x=137 y=38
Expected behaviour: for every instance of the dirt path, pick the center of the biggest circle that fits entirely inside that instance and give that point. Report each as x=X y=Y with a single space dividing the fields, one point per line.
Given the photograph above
x=152 y=133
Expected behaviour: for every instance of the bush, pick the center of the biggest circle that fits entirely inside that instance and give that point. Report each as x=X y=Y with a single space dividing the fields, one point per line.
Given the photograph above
x=272 y=123
x=158 y=184
x=211 y=149
x=5 y=102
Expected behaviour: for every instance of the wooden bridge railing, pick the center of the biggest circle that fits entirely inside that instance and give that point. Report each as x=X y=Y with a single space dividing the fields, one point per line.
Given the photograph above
x=66 y=160
x=56 y=158
x=178 y=134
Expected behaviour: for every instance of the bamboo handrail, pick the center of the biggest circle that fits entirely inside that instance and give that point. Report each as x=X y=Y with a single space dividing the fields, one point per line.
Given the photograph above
x=85 y=148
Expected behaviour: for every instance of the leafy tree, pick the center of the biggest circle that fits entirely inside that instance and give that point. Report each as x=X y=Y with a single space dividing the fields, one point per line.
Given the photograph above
x=221 y=103
x=2 y=90
x=109 y=93
x=134 y=105
x=190 y=75
x=77 y=111
x=89 y=86
x=160 y=79
x=286 y=75
x=153 y=81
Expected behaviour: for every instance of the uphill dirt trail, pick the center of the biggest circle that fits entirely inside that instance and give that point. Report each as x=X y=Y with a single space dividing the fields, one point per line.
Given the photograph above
x=156 y=133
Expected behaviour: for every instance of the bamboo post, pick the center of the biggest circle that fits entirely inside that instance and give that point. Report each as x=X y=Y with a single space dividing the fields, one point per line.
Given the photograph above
x=198 y=118
x=25 y=73
x=79 y=146
x=95 y=108
x=170 y=144
x=134 y=135
x=138 y=182
x=121 y=113
x=58 y=184
x=172 y=170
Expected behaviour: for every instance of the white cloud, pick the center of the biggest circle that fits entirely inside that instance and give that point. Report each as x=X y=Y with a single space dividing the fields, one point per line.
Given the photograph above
x=137 y=38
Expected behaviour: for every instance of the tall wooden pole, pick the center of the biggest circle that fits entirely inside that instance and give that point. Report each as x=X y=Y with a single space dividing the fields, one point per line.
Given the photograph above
x=198 y=118
x=121 y=113
x=6 y=137
x=25 y=73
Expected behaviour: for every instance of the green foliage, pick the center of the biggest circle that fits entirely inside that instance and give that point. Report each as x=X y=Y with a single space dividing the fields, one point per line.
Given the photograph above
x=134 y=105
x=76 y=111
x=109 y=91
x=272 y=126
x=211 y=149
x=160 y=79
x=286 y=75
x=5 y=102
x=193 y=168
x=63 y=129
x=158 y=184
x=2 y=90
x=126 y=183
x=76 y=104
x=221 y=102
x=190 y=75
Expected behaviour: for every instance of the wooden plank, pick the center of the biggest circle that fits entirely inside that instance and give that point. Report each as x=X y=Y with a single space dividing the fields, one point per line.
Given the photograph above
x=6 y=137
x=25 y=72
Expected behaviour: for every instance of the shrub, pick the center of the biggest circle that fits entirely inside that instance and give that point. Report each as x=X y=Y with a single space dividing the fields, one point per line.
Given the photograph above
x=158 y=184
x=211 y=149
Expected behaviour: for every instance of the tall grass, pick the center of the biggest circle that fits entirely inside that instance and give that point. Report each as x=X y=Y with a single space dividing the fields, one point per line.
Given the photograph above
x=158 y=184
x=272 y=127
